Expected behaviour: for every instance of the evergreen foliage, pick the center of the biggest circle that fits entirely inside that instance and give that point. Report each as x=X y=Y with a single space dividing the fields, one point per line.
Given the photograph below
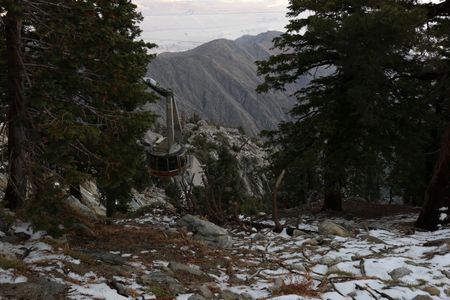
x=222 y=192
x=355 y=119
x=85 y=64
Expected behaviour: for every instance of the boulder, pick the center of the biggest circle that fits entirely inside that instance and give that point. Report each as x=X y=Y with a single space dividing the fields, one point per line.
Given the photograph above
x=164 y=279
x=329 y=228
x=41 y=288
x=372 y=239
x=182 y=268
x=206 y=231
x=206 y=292
x=75 y=205
x=398 y=273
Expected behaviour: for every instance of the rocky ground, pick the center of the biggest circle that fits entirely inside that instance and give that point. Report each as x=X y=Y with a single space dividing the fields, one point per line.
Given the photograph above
x=163 y=256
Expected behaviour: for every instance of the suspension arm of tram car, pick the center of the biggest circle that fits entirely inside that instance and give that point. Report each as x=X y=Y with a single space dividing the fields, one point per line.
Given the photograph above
x=167 y=158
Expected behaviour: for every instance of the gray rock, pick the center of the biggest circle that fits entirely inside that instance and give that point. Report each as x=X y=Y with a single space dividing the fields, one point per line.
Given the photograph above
x=106 y=257
x=245 y=296
x=161 y=278
x=206 y=231
x=229 y=295
x=437 y=243
x=196 y=297
x=298 y=267
x=312 y=242
x=447 y=292
x=297 y=233
x=179 y=267
x=333 y=270
x=329 y=261
x=446 y=273
x=120 y=288
x=258 y=236
x=372 y=239
x=422 y=297
x=329 y=228
x=75 y=205
x=41 y=288
x=398 y=273
x=206 y=292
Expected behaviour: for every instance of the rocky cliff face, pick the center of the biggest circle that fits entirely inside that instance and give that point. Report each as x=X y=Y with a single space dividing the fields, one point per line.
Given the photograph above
x=248 y=151
x=217 y=81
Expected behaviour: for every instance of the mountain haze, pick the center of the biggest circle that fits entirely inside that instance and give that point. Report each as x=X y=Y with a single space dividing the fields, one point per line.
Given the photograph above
x=217 y=81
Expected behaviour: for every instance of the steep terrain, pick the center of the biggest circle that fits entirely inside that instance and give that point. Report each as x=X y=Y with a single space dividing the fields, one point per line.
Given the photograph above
x=217 y=81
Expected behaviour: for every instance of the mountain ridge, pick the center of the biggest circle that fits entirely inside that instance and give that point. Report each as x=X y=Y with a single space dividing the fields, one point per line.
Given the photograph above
x=217 y=81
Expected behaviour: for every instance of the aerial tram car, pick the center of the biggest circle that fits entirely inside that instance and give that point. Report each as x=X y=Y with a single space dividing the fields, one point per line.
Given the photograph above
x=167 y=155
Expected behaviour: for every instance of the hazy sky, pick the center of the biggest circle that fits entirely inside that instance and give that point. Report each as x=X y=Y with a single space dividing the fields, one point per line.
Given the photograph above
x=177 y=25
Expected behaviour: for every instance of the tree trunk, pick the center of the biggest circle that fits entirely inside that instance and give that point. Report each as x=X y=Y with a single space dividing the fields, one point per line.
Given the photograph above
x=332 y=196
x=437 y=194
x=15 y=194
x=332 y=200
x=275 y=214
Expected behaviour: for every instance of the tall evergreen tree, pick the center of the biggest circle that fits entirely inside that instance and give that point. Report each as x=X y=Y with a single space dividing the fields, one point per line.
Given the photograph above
x=347 y=118
x=17 y=117
x=85 y=64
x=437 y=74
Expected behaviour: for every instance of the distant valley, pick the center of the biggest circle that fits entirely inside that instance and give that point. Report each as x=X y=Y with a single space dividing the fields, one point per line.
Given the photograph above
x=217 y=81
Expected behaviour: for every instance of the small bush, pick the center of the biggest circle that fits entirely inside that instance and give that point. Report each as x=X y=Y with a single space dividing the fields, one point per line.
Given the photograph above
x=12 y=263
x=304 y=288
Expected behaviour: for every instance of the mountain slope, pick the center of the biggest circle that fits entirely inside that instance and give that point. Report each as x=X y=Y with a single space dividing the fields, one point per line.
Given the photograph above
x=217 y=81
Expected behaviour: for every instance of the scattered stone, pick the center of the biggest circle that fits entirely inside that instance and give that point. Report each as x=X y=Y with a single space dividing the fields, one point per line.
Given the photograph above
x=258 y=236
x=206 y=231
x=437 y=243
x=161 y=278
x=446 y=273
x=297 y=233
x=334 y=270
x=447 y=292
x=205 y=292
x=298 y=267
x=432 y=290
x=398 y=273
x=120 y=288
x=39 y=289
x=372 y=239
x=352 y=294
x=329 y=261
x=312 y=242
x=106 y=257
x=229 y=295
x=422 y=297
x=179 y=267
x=196 y=297
x=329 y=228
x=245 y=296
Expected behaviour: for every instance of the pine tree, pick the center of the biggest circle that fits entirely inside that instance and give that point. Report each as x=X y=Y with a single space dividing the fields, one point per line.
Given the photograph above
x=347 y=118
x=17 y=117
x=436 y=73
x=85 y=64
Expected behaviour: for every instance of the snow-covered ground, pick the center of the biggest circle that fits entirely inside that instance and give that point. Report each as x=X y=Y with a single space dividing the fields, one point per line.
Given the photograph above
x=378 y=261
